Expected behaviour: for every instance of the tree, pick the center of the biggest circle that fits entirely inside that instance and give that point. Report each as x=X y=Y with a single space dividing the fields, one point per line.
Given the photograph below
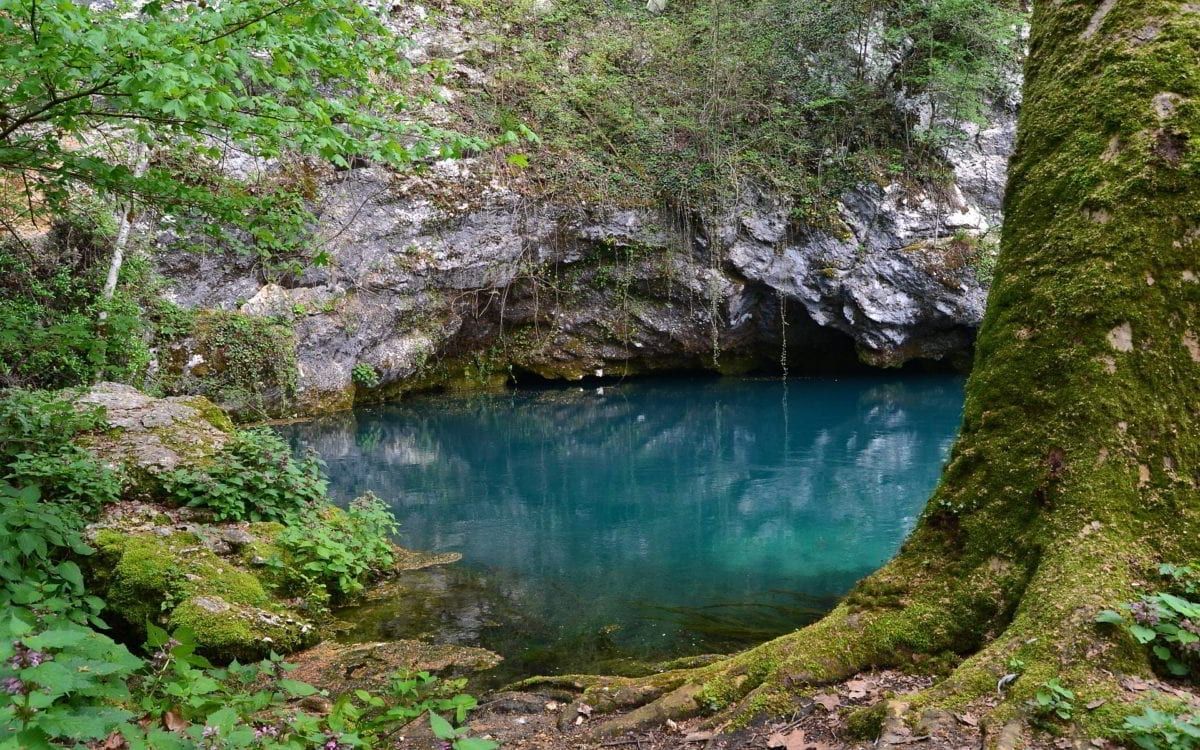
x=138 y=101
x=1078 y=461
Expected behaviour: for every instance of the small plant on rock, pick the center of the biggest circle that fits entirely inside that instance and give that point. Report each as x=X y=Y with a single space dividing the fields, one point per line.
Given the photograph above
x=254 y=477
x=1053 y=701
x=364 y=375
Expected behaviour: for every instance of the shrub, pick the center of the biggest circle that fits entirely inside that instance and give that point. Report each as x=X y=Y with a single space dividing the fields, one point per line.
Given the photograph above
x=36 y=433
x=342 y=549
x=364 y=375
x=254 y=477
x=51 y=335
x=689 y=104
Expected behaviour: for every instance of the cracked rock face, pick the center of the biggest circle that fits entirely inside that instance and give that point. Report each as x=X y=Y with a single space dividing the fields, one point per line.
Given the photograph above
x=417 y=292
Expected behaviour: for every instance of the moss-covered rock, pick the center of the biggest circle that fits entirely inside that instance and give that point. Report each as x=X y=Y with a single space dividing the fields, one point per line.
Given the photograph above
x=246 y=363
x=160 y=565
x=147 y=436
x=230 y=630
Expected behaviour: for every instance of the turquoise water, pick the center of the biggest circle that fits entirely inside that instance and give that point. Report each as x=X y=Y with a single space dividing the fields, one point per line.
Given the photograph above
x=644 y=520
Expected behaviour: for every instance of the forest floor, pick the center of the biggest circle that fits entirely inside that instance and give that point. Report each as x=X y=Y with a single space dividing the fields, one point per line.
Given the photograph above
x=535 y=721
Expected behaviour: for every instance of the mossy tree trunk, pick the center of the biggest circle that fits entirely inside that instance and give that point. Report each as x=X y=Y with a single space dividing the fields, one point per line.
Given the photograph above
x=1079 y=456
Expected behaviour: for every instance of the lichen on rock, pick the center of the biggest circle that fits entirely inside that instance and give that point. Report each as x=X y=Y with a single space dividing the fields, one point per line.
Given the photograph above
x=148 y=436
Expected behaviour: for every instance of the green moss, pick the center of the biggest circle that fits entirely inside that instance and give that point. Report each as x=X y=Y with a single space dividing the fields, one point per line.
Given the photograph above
x=238 y=631
x=720 y=692
x=248 y=364
x=866 y=724
x=212 y=413
x=762 y=704
x=169 y=580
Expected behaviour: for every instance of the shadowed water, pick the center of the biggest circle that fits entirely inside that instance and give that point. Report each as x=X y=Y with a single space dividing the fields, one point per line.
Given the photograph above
x=645 y=520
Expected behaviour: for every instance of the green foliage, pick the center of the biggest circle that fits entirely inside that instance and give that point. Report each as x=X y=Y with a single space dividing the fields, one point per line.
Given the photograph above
x=37 y=430
x=1155 y=730
x=1184 y=578
x=415 y=694
x=955 y=52
x=692 y=103
x=320 y=77
x=341 y=549
x=457 y=738
x=169 y=322
x=40 y=580
x=51 y=335
x=63 y=682
x=1166 y=621
x=365 y=375
x=249 y=362
x=1053 y=701
x=254 y=477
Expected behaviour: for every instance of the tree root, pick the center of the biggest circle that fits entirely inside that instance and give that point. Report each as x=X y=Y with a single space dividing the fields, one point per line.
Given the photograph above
x=997 y=619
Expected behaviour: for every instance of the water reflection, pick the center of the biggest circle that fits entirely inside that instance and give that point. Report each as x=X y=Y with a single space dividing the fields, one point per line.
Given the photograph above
x=648 y=518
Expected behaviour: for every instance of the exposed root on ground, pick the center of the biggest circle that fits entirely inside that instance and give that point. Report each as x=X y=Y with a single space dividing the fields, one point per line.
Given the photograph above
x=990 y=635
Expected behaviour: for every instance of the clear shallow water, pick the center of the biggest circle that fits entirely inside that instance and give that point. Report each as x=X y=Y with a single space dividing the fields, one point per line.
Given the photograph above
x=647 y=520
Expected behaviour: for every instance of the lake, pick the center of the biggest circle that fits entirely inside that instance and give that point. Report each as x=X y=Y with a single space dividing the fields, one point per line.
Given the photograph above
x=604 y=527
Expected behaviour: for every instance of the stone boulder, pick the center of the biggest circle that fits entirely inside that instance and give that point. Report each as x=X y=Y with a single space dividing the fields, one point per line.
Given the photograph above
x=176 y=568
x=149 y=436
x=341 y=667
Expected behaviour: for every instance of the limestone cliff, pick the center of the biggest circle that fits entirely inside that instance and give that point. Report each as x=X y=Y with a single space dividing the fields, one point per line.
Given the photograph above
x=465 y=272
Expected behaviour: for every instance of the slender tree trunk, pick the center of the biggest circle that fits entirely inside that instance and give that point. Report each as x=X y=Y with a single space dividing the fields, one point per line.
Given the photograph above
x=124 y=229
x=1078 y=461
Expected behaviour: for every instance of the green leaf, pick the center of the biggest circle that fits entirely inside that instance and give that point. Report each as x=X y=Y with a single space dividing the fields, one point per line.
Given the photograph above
x=297 y=688
x=155 y=636
x=441 y=728
x=56 y=639
x=1142 y=633
x=1110 y=616
x=70 y=573
x=1182 y=606
x=18 y=627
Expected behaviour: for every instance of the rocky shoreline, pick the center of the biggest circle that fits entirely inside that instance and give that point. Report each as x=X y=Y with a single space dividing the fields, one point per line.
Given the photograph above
x=179 y=567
